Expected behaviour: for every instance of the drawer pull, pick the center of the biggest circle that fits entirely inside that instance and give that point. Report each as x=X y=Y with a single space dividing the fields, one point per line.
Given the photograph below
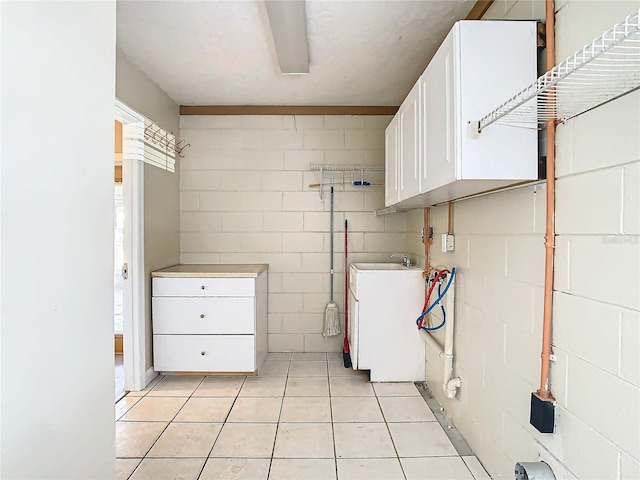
x=201 y=287
x=202 y=315
x=203 y=353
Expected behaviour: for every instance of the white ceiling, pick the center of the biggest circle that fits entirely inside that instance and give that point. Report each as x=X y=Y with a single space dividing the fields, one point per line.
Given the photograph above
x=221 y=52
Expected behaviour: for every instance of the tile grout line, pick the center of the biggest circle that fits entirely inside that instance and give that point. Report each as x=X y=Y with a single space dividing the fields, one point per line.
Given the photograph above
x=163 y=430
x=386 y=424
x=224 y=422
x=275 y=437
x=468 y=468
x=446 y=424
x=170 y=421
x=333 y=430
x=127 y=410
x=166 y=426
x=188 y=397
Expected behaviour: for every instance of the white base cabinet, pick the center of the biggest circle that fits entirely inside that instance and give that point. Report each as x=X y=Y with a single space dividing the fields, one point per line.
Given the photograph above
x=383 y=335
x=478 y=66
x=207 y=320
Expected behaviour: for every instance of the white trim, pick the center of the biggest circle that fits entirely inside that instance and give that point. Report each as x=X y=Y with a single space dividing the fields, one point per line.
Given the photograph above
x=134 y=286
x=149 y=375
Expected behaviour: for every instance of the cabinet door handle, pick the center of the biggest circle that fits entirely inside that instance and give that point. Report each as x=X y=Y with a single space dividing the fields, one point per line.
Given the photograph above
x=202 y=315
x=201 y=287
x=203 y=353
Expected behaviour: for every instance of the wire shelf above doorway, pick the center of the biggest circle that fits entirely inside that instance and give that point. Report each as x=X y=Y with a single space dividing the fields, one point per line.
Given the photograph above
x=603 y=70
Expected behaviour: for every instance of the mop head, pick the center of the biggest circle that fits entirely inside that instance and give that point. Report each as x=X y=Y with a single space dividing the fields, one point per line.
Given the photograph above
x=331 y=321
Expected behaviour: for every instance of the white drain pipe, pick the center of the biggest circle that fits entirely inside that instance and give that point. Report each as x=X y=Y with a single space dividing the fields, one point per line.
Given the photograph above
x=450 y=385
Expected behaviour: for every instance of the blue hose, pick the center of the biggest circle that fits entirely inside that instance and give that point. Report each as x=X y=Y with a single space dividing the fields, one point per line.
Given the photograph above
x=436 y=302
x=444 y=314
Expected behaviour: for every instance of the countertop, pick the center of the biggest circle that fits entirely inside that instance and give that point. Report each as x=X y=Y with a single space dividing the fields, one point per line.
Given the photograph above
x=211 y=271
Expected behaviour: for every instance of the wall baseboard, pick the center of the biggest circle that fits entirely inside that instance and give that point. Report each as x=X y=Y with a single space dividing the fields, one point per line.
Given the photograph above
x=149 y=375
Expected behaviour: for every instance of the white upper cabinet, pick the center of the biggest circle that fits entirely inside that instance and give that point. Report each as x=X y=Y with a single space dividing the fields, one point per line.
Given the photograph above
x=409 y=116
x=438 y=125
x=391 y=167
x=479 y=65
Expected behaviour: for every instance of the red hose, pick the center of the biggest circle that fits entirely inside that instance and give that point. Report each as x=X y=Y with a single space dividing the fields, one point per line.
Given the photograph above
x=426 y=300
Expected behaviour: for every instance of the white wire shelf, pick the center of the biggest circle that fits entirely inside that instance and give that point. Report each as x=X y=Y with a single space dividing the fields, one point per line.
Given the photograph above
x=329 y=170
x=345 y=167
x=605 y=69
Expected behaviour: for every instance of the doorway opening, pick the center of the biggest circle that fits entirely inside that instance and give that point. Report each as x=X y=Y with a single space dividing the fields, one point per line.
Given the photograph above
x=131 y=268
x=118 y=264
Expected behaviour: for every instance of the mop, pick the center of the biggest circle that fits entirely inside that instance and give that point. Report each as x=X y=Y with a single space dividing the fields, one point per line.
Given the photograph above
x=331 y=316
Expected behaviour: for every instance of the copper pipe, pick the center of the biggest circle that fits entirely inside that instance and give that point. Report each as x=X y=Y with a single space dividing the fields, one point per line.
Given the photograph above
x=450 y=222
x=544 y=393
x=427 y=243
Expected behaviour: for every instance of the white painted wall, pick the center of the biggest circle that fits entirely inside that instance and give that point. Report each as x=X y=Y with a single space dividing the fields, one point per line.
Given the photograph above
x=161 y=188
x=500 y=259
x=246 y=199
x=58 y=71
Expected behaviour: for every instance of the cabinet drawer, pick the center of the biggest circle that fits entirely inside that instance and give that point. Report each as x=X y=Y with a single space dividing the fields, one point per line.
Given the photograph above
x=204 y=353
x=204 y=287
x=203 y=315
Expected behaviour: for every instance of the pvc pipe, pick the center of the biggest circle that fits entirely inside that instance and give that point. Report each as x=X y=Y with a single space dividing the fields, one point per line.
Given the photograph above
x=533 y=471
x=450 y=385
x=428 y=338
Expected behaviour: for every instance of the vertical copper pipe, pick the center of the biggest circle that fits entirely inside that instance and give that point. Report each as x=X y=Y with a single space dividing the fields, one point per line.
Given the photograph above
x=544 y=392
x=450 y=221
x=426 y=240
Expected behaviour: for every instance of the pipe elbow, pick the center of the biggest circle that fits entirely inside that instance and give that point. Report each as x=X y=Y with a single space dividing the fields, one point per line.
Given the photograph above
x=451 y=387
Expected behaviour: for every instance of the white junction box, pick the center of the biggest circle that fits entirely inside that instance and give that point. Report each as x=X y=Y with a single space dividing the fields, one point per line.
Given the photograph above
x=448 y=242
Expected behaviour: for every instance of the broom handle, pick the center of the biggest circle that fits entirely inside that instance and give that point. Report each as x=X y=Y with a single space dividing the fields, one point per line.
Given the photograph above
x=332 y=244
x=346 y=290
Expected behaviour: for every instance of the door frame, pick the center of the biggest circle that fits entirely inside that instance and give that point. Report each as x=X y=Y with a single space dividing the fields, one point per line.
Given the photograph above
x=134 y=314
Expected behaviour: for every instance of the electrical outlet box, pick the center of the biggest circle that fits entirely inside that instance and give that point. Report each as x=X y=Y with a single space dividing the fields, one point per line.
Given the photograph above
x=542 y=414
x=448 y=243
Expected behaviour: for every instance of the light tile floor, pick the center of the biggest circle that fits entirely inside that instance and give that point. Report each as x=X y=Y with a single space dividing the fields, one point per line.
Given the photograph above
x=304 y=417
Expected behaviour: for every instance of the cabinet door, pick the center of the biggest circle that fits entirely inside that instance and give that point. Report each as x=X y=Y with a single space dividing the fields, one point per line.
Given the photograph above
x=409 y=115
x=438 y=87
x=354 y=325
x=391 y=163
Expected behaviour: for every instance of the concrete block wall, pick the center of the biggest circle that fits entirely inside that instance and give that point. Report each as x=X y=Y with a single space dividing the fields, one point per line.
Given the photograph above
x=596 y=335
x=415 y=247
x=245 y=198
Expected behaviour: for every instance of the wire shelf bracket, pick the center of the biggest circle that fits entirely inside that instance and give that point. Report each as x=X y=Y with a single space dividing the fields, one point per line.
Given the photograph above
x=603 y=70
